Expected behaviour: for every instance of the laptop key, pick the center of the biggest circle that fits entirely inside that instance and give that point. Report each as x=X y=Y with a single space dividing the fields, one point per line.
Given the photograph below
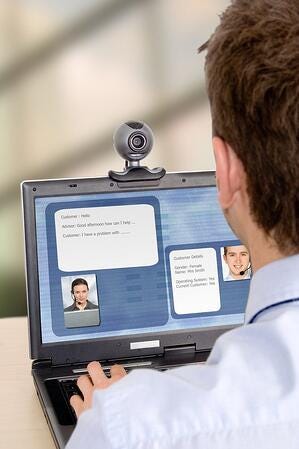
x=70 y=388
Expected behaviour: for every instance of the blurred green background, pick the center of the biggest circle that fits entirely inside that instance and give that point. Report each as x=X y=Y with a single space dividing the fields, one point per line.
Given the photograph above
x=70 y=72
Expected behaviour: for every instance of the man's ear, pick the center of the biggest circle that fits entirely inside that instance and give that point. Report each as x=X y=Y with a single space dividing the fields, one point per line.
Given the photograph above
x=229 y=172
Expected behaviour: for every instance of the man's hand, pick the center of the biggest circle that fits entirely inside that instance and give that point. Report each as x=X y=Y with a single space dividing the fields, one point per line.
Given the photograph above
x=96 y=379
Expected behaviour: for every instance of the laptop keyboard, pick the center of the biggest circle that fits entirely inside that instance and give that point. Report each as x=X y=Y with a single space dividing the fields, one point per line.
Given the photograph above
x=61 y=390
x=69 y=387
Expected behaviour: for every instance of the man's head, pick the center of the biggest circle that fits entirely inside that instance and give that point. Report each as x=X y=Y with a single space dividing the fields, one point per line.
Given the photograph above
x=252 y=71
x=79 y=290
x=237 y=259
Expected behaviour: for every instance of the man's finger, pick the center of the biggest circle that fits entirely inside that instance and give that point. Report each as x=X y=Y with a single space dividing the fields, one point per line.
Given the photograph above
x=117 y=372
x=85 y=385
x=97 y=375
x=77 y=404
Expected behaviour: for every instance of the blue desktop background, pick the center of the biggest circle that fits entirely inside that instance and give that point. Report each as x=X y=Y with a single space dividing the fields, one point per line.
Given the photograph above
x=139 y=299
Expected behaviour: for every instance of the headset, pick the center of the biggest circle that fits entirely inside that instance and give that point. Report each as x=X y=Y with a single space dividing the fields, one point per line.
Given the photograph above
x=244 y=271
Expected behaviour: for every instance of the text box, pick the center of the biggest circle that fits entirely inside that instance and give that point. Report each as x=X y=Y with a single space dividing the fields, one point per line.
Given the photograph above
x=97 y=238
x=194 y=278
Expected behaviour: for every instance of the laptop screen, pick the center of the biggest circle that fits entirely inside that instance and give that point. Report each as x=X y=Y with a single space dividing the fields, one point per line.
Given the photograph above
x=127 y=263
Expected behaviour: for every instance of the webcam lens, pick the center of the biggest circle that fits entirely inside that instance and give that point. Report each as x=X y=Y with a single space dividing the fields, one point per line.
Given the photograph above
x=137 y=142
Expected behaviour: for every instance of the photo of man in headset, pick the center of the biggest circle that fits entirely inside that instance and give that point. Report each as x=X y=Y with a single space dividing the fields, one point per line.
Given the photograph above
x=237 y=262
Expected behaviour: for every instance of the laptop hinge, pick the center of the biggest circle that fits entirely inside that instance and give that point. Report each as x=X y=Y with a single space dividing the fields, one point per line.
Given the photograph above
x=41 y=363
x=179 y=350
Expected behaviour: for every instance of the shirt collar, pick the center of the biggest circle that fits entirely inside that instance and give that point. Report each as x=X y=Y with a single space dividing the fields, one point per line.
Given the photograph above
x=275 y=282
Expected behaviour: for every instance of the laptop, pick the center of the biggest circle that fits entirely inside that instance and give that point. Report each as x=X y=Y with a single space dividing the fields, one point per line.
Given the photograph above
x=150 y=258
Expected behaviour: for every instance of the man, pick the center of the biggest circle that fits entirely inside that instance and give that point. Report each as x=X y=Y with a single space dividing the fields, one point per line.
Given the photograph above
x=79 y=292
x=247 y=394
x=238 y=262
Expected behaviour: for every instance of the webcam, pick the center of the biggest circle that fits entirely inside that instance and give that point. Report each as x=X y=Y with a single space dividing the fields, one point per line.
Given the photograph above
x=133 y=141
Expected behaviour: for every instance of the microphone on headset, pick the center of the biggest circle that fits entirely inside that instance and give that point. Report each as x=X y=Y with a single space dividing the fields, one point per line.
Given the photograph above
x=244 y=271
x=74 y=299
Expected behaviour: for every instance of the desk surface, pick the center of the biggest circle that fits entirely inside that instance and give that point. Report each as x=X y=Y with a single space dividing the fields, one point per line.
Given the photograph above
x=22 y=423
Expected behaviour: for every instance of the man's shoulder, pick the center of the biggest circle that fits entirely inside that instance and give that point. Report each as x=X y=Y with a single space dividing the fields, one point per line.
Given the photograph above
x=240 y=395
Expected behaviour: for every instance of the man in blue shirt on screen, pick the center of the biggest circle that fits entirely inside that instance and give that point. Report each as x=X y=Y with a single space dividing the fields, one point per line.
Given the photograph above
x=247 y=394
x=238 y=262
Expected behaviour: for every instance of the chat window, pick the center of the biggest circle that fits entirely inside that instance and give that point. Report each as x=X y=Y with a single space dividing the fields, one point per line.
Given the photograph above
x=117 y=244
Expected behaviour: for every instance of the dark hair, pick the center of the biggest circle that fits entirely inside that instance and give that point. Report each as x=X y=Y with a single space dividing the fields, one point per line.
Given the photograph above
x=78 y=281
x=252 y=72
x=225 y=249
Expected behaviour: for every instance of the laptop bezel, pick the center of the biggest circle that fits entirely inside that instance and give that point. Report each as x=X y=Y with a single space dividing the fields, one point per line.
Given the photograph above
x=76 y=351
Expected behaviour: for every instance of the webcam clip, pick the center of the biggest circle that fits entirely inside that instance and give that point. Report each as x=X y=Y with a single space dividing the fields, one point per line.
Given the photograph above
x=137 y=173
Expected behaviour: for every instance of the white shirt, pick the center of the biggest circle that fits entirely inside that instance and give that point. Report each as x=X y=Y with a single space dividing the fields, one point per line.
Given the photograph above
x=245 y=396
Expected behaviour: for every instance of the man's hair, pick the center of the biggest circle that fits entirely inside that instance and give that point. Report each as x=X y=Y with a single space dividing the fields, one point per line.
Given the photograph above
x=78 y=281
x=252 y=72
x=225 y=249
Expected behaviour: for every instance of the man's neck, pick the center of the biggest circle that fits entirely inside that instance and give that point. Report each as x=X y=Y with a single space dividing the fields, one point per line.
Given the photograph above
x=263 y=250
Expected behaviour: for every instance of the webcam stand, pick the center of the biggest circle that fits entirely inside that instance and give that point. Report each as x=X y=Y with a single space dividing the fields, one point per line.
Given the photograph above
x=133 y=171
